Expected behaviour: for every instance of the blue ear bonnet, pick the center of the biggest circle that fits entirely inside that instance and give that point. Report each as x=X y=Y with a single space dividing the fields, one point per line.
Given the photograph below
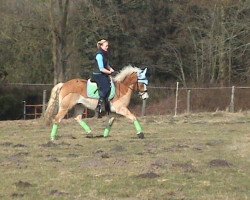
x=142 y=78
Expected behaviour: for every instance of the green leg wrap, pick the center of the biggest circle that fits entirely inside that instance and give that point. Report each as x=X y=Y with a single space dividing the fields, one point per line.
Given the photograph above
x=106 y=131
x=85 y=126
x=137 y=127
x=53 y=134
x=108 y=128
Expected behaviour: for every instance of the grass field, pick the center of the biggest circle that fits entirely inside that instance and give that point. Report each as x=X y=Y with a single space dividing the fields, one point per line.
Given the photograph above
x=200 y=156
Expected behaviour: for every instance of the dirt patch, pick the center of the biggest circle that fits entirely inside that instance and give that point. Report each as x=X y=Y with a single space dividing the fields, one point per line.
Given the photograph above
x=198 y=148
x=20 y=154
x=53 y=159
x=19 y=145
x=93 y=136
x=149 y=175
x=69 y=136
x=120 y=163
x=105 y=155
x=72 y=155
x=17 y=158
x=219 y=163
x=118 y=148
x=160 y=163
x=48 y=144
x=23 y=184
x=151 y=148
x=177 y=148
x=93 y=163
x=186 y=167
x=6 y=144
x=79 y=145
x=57 y=193
x=64 y=144
x=214 y=142
x=16 y=195
x=101 y=153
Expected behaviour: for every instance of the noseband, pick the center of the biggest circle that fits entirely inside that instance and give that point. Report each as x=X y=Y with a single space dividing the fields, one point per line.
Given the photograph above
x=140 y=93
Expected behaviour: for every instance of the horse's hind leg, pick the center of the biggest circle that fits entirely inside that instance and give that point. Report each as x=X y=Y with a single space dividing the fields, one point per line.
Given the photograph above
x=65 y=105
x=60 y=115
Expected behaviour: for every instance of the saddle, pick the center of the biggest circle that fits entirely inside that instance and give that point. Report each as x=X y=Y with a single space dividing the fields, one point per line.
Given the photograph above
x=93 y=92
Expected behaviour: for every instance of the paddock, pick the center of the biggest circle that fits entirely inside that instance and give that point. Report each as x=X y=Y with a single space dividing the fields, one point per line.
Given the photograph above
x=196 y=156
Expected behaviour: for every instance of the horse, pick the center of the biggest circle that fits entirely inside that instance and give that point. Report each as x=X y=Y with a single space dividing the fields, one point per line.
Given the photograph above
x=130 y=79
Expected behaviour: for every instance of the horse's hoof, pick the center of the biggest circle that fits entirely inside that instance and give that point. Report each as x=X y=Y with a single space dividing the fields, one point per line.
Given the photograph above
x=53 y=138
x=140 y=135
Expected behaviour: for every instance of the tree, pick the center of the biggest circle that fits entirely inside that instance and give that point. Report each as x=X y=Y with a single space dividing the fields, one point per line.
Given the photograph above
x=219 y=41
x=59 y=18
x=194 y=42
x=24 y=41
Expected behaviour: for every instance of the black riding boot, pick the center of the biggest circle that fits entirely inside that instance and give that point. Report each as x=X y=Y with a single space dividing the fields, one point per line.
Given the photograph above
x=107 y=106
x=98 y=109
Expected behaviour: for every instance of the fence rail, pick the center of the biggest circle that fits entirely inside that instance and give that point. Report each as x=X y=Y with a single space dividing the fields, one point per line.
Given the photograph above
x=36 y=111
x=176 y=100
x=168 y=100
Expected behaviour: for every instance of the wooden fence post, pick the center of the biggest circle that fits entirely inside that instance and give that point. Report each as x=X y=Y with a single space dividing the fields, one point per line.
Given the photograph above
x=188 y=101
x=143 y=107
x=44 y=102
x=176 y=99
x=24 y=110
x=231 y=106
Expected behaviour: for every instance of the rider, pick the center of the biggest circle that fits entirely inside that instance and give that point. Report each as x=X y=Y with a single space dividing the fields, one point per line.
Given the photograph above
x=101 y=76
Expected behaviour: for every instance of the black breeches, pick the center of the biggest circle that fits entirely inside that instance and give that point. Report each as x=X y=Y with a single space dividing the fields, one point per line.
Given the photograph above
x=103 y=82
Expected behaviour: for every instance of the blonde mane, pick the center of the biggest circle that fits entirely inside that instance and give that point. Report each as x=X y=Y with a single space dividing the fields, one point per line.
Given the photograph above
x=125 y=72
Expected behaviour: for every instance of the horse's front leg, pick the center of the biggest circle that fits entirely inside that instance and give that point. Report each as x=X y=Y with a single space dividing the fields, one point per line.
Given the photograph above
x=126 y=113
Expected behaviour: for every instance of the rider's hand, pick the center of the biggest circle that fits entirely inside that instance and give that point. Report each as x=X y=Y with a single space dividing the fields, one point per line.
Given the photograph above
x=114 y=73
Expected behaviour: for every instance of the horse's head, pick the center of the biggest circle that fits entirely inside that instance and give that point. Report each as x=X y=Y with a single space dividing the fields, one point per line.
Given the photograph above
x=142 y=82
x=135 y=79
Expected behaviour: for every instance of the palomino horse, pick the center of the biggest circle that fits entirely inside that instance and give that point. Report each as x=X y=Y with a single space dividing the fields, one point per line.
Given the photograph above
x=73 y=92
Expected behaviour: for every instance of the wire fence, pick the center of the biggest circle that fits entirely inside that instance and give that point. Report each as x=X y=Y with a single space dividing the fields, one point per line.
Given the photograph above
x=162 y=100
x=170 y=100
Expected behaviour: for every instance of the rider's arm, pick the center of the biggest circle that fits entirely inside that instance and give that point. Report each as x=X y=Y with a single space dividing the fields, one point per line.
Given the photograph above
x=99 y=59
x=111 y=69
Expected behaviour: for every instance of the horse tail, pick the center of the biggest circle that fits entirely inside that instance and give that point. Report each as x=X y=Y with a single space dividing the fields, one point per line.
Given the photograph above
x=52 y=103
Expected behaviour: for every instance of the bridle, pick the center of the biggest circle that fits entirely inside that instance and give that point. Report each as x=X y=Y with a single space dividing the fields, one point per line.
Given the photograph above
x=140 y=93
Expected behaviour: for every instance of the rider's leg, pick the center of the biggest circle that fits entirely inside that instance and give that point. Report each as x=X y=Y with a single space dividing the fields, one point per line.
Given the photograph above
x=98 y=109
x=104 y=89
x=107 y=105
x=106 y=92
x=99 y=80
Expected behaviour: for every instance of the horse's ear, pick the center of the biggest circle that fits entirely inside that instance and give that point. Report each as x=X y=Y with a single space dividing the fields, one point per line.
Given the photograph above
x=142 y=70
x=145 y=70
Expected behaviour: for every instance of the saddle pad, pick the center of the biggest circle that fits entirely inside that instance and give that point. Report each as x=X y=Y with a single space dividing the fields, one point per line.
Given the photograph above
x=92 y=90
